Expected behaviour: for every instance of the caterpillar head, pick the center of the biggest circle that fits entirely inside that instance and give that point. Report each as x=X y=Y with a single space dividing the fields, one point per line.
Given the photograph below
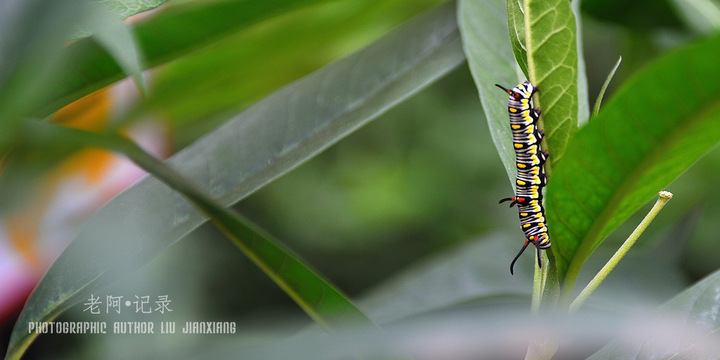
x=522 y=91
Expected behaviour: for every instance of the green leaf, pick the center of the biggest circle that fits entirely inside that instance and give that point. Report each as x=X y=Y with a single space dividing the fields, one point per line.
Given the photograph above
x=258 y=145
x=550 y=40
x=697 y=307
x=483 y=25
x=544 y=42
x=657 y=125
x=490 y=59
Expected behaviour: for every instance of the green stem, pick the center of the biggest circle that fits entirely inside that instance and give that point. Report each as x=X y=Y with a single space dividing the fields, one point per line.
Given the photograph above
x=539 y=280
x=546 y=293
x=663 y=198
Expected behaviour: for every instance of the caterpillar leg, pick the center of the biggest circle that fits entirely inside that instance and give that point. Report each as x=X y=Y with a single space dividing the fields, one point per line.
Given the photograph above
x=535 y=115
x=542 y=157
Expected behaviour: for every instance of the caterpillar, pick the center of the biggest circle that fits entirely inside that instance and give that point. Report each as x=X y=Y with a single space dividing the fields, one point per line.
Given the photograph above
x=529 y=160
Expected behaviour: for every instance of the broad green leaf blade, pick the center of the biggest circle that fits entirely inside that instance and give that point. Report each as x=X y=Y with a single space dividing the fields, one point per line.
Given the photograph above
x=654 y=128
x=162 y=37
x=255 y=147
x=550 y=40
x=483 y=25
x=697 y=307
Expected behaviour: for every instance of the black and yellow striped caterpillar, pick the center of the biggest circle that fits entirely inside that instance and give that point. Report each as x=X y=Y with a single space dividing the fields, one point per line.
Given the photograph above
x=529 y=159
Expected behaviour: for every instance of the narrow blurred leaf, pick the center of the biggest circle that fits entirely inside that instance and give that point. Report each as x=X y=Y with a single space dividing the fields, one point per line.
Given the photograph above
x=255 y=147
x=483 y=25
x=32 y=35
x=117 y=39
x=325 y=304
x=321 y=301
x=654 y=128
x=34 y=55
x=697 y=307
x=171 y=33
x=127 y=8
x=470 y=272
x=31 y=53
x=702 y=15
x=168 y=35
x=201 y=89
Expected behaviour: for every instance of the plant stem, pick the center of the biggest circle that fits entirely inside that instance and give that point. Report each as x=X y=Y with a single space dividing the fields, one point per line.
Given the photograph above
x=539 y=279
x=663 y=198
x=546 y=294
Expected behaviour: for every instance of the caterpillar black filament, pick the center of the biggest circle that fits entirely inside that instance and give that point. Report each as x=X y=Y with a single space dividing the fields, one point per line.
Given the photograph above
x=529 y=159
